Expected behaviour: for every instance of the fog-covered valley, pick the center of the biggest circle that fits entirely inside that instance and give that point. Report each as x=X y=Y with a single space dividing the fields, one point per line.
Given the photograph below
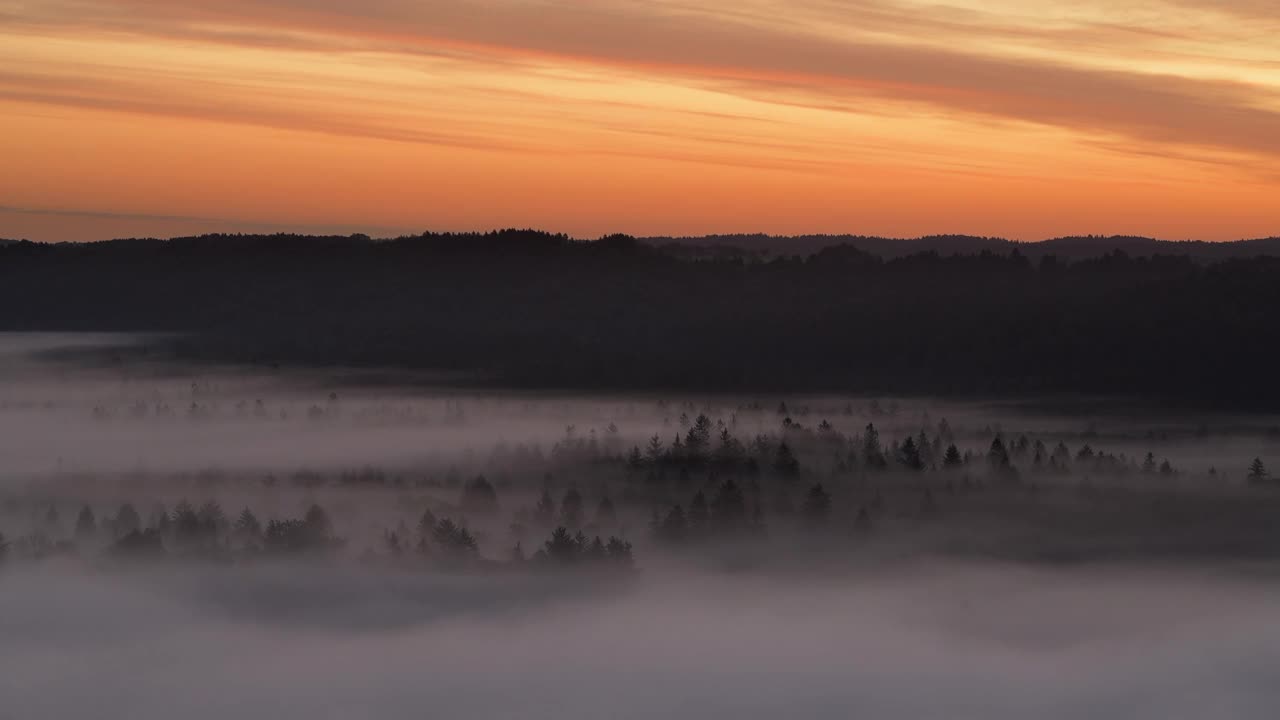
x=206 y=541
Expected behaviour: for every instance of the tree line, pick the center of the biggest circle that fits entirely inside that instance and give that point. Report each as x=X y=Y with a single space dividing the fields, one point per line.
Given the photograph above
x=538 y=309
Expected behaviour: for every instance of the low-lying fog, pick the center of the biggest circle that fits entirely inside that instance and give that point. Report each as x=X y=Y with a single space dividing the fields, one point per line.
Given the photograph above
x=212 y=543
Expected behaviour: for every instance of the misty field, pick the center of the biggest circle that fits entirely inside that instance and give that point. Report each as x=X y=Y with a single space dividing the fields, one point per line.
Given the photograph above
x=199 y=541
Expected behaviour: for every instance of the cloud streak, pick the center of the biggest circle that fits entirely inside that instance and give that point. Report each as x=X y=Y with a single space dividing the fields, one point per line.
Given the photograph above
x=1169 y=89
x=636 y=37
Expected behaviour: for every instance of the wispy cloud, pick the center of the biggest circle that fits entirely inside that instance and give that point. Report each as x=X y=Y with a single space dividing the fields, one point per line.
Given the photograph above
x=1171 y=90
x=738 y=54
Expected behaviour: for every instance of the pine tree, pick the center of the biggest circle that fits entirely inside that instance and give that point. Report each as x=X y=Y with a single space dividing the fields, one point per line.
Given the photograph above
x=127 y=520
x=479 y=497
x=212 y=519
x=674 y=525
x=698 y=439
x=160 y=520
x=619 y=552
x=1257 y=471
x=86 y=524
x=563 y=547
x=699 y=515
x=595 y=552
x=247 y=525
x=729 y=507
x=545 y=512
x=606 y=515
x=872 y=453
x=730 y=450
x=317 y=525
x=391 y=541
x=654 y=452
x=571 y=508
x=998 y=456
x=909 y=455
x=952 y=459
x=186 y=524
x=785 y=462
x=817 y=505
x=453 y=539
x=426 y=524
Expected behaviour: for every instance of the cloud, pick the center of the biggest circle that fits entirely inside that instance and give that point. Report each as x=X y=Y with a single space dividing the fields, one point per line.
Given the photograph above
x=726 y=51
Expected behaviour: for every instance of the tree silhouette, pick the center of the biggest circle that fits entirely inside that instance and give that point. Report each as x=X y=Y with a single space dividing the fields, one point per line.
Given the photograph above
x=454 y=540
x=571 y=508
x=247 y=525
x=1257 y=472
x=674 y=528
x=562 y=548
x=872 y=453
x=139 y=544
x=619 y=552
x=595 y=552
x=211 y=519
x=479 y=497
x=784 y=461
x=729 y=507
x=186 y=525
x=287 y=536
x=426 y=524
x=729 y=452
x=654 y=452
x=391 y=542
x=545 y=512
x=998 y=456
x=952 y=457
x=127 y=520
x=699 y=516
x=317 y=522
x=86 y=524
x=817 y=506
x=698 y=440
x=909 y=455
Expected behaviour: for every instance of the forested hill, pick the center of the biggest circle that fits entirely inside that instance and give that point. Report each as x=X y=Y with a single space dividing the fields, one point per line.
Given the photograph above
x=537 y=309
x=1064 y=248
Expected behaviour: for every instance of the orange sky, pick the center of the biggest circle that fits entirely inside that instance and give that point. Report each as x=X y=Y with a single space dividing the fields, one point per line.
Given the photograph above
x=1021 y=118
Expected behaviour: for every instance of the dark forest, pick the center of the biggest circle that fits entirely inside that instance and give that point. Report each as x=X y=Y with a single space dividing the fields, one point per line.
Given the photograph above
x=1163 y=321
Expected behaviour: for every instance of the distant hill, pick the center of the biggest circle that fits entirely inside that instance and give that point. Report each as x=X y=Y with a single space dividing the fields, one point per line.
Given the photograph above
x=726 y=247
x=1066 y=248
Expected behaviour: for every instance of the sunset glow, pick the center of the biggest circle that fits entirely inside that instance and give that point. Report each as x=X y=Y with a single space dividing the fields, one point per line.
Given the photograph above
x=1020 y=118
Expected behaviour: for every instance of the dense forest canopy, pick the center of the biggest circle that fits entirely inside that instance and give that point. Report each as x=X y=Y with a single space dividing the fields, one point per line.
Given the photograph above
x=539 y=309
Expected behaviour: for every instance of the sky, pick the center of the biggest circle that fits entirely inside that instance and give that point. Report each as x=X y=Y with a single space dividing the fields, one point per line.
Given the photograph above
x=1025 y=119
